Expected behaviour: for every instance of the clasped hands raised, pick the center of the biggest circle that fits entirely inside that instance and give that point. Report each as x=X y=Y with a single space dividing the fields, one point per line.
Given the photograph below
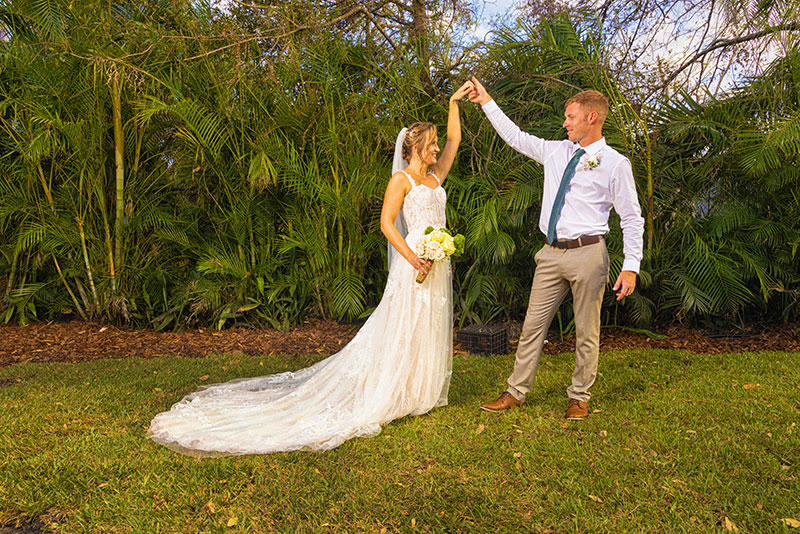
x=474 y=90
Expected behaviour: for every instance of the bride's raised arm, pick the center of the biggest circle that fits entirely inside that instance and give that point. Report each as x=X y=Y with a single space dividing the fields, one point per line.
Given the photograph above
x=448 y=155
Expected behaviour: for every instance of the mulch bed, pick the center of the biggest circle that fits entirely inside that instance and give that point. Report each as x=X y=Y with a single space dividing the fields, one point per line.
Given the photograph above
x=34 y=527
x=79 y=341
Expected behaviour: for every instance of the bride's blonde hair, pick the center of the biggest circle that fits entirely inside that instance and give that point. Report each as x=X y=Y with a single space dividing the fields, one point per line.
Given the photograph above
x=419 y=133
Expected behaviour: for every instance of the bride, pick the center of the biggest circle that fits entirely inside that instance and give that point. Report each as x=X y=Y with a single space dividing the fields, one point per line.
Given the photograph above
x=398 y=364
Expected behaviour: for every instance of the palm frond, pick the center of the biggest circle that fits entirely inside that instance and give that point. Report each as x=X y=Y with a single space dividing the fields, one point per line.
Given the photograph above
x=347 y=295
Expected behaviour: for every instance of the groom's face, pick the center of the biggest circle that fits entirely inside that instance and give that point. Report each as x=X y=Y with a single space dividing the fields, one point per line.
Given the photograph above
x=577 y=122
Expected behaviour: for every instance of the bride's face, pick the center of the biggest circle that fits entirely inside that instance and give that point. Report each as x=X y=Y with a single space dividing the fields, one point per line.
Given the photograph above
x=428 y=152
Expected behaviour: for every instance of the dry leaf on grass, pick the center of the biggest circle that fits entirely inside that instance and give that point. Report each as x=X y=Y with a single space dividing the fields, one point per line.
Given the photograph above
x=481 y=428
x=751 y=386
x=232 y=521
x=794 y=523
x=204 y=377
x=729 y=526
x=596 y=499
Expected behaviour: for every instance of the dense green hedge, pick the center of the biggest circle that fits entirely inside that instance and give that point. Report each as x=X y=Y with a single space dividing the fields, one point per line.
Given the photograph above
x=145 y=179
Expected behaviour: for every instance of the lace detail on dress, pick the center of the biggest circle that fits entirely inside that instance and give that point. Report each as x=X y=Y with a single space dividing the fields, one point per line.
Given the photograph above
x=424 y=206
x=398 y=364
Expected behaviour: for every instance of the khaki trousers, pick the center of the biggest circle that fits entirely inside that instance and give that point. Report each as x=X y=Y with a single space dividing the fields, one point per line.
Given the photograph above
x=584 y=270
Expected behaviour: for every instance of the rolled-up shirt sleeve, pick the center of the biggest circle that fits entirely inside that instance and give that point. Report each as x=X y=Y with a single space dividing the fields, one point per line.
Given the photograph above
x=626 y=204
x=522 y=142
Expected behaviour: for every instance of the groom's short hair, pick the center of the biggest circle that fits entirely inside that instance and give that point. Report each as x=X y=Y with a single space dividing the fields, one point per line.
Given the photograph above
x=591 y=100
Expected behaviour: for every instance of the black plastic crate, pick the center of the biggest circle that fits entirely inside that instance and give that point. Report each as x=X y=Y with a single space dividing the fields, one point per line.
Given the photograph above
x=483 y=339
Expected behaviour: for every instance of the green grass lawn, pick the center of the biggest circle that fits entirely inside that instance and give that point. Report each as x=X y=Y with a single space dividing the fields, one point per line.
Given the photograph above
x=677 y=442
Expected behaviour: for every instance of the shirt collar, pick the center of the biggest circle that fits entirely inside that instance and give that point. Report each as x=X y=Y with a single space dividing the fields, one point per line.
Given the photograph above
x=592 y=149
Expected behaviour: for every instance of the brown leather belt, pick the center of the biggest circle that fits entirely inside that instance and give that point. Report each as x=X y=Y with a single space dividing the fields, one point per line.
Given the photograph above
x=575 y=243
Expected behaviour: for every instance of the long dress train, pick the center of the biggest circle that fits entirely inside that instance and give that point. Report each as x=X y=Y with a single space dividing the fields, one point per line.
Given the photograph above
x=398 y=364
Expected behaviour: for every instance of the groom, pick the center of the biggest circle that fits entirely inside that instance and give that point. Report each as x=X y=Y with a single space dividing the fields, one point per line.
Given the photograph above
x=583 y=179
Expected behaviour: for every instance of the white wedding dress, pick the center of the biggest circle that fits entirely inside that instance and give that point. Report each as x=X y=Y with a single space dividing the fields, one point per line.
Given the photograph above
x=398 y=364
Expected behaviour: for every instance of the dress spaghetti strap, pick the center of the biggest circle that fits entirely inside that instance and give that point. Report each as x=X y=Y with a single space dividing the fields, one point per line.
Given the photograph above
x=410 y=179
x=414 y=184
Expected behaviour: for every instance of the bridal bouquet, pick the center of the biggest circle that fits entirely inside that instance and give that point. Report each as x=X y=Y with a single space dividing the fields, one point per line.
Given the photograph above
x=437 y=245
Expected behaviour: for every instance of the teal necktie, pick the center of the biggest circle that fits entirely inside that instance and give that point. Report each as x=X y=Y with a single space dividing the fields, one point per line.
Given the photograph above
x=569 y=172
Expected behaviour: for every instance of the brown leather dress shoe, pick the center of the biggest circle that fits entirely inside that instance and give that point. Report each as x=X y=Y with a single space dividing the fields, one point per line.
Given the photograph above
x=577 y=410
x=503 y=402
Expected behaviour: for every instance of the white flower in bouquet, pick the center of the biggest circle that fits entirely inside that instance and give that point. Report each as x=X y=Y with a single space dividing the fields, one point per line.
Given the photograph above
x=422 y=248
x=435 y=251
x=437 y=245
x=428 y=249
x=443 y=239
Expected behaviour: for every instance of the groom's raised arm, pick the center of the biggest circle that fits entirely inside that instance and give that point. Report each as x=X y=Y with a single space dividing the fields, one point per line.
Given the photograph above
x=522 y=142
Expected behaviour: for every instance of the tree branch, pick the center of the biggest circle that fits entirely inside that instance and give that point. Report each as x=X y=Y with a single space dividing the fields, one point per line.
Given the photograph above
x=464 y=53
x=353 y=11
x=377 y=24
x=722 y=43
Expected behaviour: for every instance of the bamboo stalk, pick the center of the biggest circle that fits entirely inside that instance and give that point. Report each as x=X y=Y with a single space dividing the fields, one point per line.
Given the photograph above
x=119 y=148
x=111 y=269
x=69 y=290
x=89 y=273
x=138 y=153
x=107 y=231
x=45 y=186
x=82 y=293
x=12 y=275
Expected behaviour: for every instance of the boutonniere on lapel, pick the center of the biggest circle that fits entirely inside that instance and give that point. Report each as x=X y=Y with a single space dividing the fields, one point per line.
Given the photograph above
x=591 y=163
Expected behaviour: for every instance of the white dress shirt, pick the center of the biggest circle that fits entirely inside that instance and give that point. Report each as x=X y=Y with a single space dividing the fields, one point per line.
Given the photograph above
x=591 y=192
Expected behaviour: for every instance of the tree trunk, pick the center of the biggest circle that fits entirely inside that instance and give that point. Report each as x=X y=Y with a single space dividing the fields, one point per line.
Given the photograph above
x=419 y=36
